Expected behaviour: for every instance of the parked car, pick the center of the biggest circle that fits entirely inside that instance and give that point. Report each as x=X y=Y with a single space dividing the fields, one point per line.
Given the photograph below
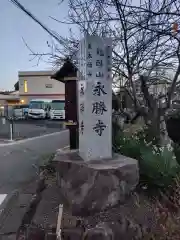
x=21 y=111
x=39 y=108
x=57 y=110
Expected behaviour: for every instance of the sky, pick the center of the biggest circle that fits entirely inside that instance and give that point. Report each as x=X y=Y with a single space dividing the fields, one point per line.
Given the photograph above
x=15 y=25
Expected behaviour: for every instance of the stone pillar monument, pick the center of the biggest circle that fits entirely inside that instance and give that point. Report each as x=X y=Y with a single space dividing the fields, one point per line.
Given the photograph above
x=95 y=98
x=95 y=186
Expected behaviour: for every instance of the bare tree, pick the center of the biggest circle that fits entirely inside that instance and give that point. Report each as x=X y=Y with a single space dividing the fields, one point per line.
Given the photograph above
x=156 y=19
x=145 y=49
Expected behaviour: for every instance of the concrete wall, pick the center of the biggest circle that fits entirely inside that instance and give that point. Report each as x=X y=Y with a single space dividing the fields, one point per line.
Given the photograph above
x=40 y=85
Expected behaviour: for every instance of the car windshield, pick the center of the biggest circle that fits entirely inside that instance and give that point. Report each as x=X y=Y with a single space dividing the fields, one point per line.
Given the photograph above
x=36 y=105
x=57 y=105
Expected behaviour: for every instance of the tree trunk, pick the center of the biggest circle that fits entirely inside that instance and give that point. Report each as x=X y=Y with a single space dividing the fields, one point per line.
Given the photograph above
x=152 y=121
x=153 y=132
x=164 y=137
x=157 y=129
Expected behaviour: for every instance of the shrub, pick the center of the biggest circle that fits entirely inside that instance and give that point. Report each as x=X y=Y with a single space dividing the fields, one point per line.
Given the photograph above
x=165 y=222
x=158 y=166
x=145 y=135
x=130 y=147
x=177 y=152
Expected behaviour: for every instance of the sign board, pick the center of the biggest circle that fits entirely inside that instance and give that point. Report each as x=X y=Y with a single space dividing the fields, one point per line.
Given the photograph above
x=95 y=98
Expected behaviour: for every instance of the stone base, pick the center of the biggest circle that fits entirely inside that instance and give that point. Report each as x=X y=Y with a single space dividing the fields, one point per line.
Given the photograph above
x=95 y=185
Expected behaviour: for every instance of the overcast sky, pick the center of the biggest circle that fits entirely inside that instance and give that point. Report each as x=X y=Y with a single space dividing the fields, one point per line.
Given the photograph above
x=14 y=24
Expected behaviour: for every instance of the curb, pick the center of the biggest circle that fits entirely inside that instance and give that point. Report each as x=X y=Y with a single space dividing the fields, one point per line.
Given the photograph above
x=11 y=199
x=6 y=140
x=30 y=139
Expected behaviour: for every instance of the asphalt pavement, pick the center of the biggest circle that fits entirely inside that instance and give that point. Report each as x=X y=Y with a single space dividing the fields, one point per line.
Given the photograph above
x=29 y=128
x=17 y=159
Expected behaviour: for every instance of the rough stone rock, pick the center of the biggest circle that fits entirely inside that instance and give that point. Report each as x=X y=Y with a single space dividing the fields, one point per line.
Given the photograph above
x=47 y=210
x=33 y=232
x=100 y=232
x=72 y=234
x=124 y=230
x=8 y=237
x=97 y=185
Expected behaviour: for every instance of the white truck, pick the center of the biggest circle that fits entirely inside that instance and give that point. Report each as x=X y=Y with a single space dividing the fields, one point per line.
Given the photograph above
x=39 y=108
x=57 y=109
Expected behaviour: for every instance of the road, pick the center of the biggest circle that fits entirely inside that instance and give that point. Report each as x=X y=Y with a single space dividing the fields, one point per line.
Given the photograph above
x=17 y=158
x=29 y=128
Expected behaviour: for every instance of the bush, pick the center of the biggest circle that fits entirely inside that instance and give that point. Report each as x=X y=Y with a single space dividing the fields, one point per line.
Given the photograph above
x=145 y=135
x=177 y=152
x=130 y=147
x=158 y=166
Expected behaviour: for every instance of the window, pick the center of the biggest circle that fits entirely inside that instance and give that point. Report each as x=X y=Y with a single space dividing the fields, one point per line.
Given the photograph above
x=58 y=105
x=36 y=105
x=25 y=86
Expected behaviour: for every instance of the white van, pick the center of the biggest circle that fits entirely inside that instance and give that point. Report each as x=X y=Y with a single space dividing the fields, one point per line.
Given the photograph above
x=39 y=108
x=57 y=109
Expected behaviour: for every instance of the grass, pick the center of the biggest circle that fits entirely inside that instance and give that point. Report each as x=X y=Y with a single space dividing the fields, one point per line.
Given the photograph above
x=44 y=163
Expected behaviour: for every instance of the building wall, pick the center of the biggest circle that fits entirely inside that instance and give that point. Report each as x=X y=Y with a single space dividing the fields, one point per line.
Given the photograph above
x=39 y=85
x=9 y=99
x=155 y=89
x=158 y=89
x=2 y=102
x=26 y=99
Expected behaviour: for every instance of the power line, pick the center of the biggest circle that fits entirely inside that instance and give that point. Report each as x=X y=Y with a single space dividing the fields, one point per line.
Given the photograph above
x=28 y=13
x=72 y=53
